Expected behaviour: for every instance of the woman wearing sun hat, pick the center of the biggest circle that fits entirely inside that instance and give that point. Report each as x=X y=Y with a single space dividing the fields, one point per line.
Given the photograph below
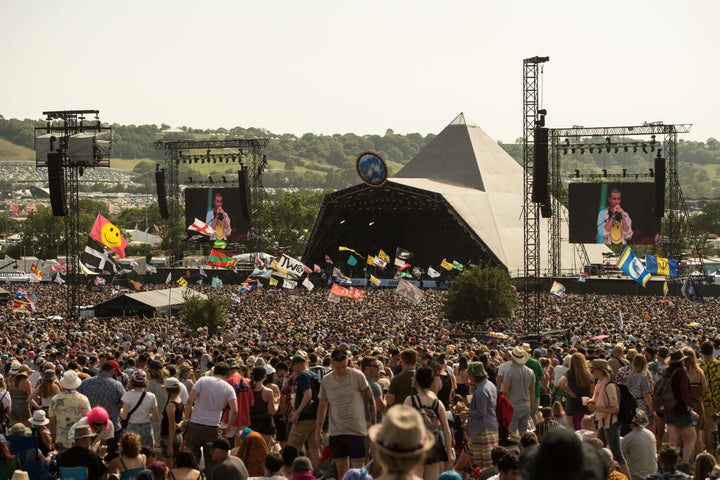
x=39 y=426
x=20 y=390
x=146 y=412
x=400 y=443
x=605 y=403
x=679 y=420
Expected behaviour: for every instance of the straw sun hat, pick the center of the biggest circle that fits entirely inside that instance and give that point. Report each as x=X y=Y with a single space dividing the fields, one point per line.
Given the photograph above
x=402 y=433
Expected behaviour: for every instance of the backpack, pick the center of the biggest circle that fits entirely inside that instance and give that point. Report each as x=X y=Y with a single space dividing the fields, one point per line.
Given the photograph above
x=504 y=410
x=664 y=398
x=626 y=403
x=4 y=420
x=428 y=414
x=310 y=411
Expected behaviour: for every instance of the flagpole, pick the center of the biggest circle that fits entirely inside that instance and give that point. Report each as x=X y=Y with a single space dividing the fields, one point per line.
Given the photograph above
x=169 y=298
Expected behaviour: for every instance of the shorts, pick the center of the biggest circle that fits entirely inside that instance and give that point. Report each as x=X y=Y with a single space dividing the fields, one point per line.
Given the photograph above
x=347 y=446
x=681 y=421
x=176 y=443
x=301 y=432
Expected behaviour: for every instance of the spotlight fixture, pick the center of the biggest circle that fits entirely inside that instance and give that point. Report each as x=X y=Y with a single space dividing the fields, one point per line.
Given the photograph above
x=625 y=148
x=607 y=140
x=371 y=223
x=572 y=150
x=577 y=173
x=210 y=179
x=189 y=179
x=604 y=171
x=624 y=172
x=652 y=173
x=224 y=179
x=591 y=150
x=634 y=148
x=644 y=148
x=582 y=150
x=617 y=149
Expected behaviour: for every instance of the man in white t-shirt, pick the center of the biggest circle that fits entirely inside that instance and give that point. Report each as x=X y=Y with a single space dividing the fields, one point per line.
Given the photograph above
x=203 y=410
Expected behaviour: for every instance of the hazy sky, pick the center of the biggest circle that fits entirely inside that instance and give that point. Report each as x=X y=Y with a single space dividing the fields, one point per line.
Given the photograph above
x=337 y=66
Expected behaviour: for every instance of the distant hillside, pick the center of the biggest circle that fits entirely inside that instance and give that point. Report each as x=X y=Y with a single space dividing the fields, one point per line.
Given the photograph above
x=11 y=152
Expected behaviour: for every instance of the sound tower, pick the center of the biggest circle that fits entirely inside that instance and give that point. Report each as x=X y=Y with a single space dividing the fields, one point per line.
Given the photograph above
x=540 y=167
x=244 y=193
x=161 y=196
x=546 y=210
x=659 y=187
x=56 y=178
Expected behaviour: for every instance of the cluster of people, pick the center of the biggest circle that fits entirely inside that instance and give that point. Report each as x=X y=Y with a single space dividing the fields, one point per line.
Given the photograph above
x=295 y=378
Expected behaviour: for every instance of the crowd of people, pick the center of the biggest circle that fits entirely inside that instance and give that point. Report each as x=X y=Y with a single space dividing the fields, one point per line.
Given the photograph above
x=294 y=377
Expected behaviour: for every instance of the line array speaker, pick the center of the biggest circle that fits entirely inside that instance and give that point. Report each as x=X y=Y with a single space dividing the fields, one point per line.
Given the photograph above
x=540 y=166
x=56 y=178
x=659 y=187
x=244 y=193
x=161 y=195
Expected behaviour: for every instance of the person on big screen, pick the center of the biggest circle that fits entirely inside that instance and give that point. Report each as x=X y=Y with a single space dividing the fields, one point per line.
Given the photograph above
x=614 y=223
x=218 y=219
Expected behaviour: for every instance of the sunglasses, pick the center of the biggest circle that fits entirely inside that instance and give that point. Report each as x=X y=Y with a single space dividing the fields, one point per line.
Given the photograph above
x=99 y=425
x=339 y=358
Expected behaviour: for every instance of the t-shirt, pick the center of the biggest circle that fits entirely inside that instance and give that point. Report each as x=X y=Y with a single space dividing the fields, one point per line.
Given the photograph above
x=230 y=468
x=401 y=386
x=213 y=394
x=67 y=407
x=346 y=401
x=519 y=378
x=142 y=413
x=82 y=457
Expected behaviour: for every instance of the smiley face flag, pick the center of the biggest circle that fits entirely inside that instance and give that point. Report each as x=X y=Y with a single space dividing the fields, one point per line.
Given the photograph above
x=109 y=235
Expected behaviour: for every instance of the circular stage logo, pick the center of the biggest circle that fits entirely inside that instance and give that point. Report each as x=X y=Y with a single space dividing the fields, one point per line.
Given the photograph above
x=371 y=168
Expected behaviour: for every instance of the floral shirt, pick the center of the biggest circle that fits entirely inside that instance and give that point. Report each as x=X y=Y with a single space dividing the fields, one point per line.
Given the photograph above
x=68 y=407
x=711 y=368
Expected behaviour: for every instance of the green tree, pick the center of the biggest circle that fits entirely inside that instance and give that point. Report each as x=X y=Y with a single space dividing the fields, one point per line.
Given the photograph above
x=43 y=234
x=709 y=220
x=199 y=313
x=479 y=294
x=288 y=220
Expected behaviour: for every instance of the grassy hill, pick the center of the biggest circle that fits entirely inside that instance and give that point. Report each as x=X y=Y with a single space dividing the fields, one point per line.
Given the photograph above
x=11 y=152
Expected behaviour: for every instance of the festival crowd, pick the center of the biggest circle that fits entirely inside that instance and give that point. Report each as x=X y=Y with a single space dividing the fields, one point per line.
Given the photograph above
x=298 y=387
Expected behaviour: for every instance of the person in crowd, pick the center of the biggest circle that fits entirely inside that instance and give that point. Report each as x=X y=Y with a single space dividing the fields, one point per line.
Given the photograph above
x=39 y=426
x=20 y=390
x=99 y=421
x=226 y=466
x=460 y=372
x=264 y=406
x=172 y=419
x=302 y=469
x=186 y=466
x=252 y=451
x=519 y=386
x=66 y=409
x=638 y=447
x=668 y=460
x=400 y=443
x=425 y=398
x=638 y=383
x=304 y=416
x=547 y=423
x=130 y=460
x=711 y=400
x=245 y=400
x=563 y=455
x=496 y=454
x=605 y=403
x=342 y=390
x=576 y=383
x=139 y=408
x=680 y=420
x=104 y=390
x=698 y=388
x=401 y=384
x=46 y=388
x=704 y=464
x=203 y=411
x=156 y=378
x=80 y=455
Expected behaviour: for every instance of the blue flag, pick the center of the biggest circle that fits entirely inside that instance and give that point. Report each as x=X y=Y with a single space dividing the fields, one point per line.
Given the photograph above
x=352 y=261
x=661 y=266
x=633 y=267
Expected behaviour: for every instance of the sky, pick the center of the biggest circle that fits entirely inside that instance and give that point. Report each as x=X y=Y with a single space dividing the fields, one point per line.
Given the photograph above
x=341 y=66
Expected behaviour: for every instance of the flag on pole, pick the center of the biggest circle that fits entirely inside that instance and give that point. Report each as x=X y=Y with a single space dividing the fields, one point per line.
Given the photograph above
x=181 y=281
x=273 y=282
x=340 y=291
x=374 y=280
x=458 y=266
x=352 y=261
x=220 y=259
x=661 y=266
x=432 y=273
x=220 y=244
x=58 y=279
x=402 y=255
x=558 y=289
x=289 y=284
x=109 y=235
x=666 y=290
x=202 y=227
x=409 y=291
x=258 y=262
x=690 y=291
x=308 y=284
x=216 y=282
x=446 y=265
x=151 y=268
x=384 y=256
x=168 y=279
x=348 y=249
x=621 y=323
x=201 y=272
x=379 y=262
x=328 y=259
x=633 y=267
x=316 y=268
x=38 y=273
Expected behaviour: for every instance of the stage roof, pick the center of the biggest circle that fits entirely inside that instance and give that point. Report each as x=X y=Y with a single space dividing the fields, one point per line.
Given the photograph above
x=145 y=303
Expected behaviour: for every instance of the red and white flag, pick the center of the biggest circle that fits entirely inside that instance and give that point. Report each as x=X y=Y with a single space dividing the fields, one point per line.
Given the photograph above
x=201 y=227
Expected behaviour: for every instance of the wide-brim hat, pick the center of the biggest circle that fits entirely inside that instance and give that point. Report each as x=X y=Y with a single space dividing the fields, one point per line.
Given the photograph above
x=14 y=367
x=640 y=418
x=476 y=369
x=519 y=354
x=39 y=418
x=171 y=382
x=402 y=433
x=600 y=364
x=83 y=431
x=677 y=356
x=19 y=430
x=70 y=380
x=20 y=475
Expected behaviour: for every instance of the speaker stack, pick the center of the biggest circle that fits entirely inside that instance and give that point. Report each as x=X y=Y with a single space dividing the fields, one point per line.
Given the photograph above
x=56 y=178
x=659 y=186
x=161 y=195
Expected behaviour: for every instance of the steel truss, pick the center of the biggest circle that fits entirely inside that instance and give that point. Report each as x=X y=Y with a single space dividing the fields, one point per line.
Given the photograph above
x=63 y=125
x=531 y=218
x=676 y=223
x=176 y=151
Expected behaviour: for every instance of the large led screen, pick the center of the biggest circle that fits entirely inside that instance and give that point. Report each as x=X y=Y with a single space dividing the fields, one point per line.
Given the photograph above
x=613 y=213
x=224 y=209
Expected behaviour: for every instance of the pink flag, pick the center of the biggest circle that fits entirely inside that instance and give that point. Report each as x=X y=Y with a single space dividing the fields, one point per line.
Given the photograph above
x=109 y=235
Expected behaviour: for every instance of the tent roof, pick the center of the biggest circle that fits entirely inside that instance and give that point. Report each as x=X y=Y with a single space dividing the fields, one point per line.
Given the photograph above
x=153 y=300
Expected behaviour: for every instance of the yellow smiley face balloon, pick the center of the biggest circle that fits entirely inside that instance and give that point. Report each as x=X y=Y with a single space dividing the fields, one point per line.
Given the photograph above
x=110 y=235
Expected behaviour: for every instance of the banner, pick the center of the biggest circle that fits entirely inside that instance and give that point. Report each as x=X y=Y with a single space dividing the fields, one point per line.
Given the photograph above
x=289 y=284
x=352 y=261
x=432 y=273
x=201 y=227
x=308 y=284
x=94 y=256
x=383 y=256
x=633 y=267
x=558 y=289
x=340 y=291
x=220 y=259
x=293 y=266
x=374 y=280
x=446 y=265
x=409 y=291
x=379 y=262
x=661 y=266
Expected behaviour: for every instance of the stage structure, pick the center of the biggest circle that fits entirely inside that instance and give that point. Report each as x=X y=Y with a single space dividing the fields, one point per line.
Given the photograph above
x=66 y=146
x=248 y=152
x=533 y=117
x=656 y=140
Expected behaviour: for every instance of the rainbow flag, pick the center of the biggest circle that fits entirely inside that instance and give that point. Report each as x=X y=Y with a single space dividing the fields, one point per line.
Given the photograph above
x=220 y=259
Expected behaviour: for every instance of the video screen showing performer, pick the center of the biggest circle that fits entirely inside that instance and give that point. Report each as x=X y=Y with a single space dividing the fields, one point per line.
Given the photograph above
x=221 y=209
x=613 y=213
